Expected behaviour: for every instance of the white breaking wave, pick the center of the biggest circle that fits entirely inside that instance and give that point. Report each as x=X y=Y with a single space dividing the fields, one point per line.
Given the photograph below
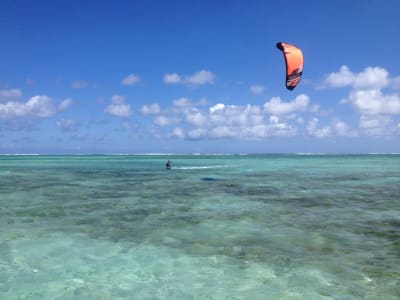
x=202 y=167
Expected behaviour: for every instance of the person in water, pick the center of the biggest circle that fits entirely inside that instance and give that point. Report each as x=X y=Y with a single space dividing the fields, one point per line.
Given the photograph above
x=168 y=164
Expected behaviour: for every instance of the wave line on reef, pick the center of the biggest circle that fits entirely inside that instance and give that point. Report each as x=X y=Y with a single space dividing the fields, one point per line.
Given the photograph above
x=202 y=167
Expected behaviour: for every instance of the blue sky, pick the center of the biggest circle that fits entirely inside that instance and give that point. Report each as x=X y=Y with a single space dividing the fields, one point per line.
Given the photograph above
x=198 y=77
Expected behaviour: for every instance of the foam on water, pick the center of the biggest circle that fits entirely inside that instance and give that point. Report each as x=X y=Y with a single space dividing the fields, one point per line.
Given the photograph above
x=122 y=227
x=203 y=167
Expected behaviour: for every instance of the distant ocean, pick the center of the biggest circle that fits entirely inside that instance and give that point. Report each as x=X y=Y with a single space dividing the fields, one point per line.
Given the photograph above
x=213 y=227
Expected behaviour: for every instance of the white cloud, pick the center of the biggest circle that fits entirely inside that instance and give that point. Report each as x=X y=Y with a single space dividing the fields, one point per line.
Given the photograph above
x=79 y=84
x=367 y=95
x=234 y=115
x=278 y=127
x=216 y=107
x=67 y=124
x=342 y=129
x=203 y=101
x=200 y=78
x=187 y=120
x=340 y=79
x=377 y=125
x=259 y=131
x=37 y=106
x=276 y=107
x=223 y=121
x=178 y=132
x=196 y=119
x=395 y=83
x=197 y=133
x=224 y=131
x=314 y=130
x=10 y=95
x=164 y=121
x=374 y=102
x=117 y=99
x=336 y=128
x=152 y=109
x=65 y=104
x=370 y=78
x=12 y=105
x=41 y=106
x=257 y=89
x=130 y=80
x=182 y=102
x=172 y=78
x=118 y=107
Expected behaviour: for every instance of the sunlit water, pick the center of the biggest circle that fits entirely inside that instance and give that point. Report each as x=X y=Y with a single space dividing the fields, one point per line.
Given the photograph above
x=213 y=227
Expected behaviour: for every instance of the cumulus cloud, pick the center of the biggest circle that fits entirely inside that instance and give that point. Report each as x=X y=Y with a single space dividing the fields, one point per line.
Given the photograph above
x=342 y=129
x=165 y=121
x=10 y=95
x=219 y=106
x=196 y=133
x=339 y=79
x=315 y=130
x=279 y=127
x=178 y=132
x=41 y=106
x=152 y=109
x=369 y=78
x=172 y=78
x=367 y=95
x=200 y=78
x=187 y=119
x=374 y=102
x=65 y=104
x=67 y=125
x=395 y=83
x=277 y=107
x=196 y=118
x=222 y=121
x=118 y=107
x=131 y=79
x=183 y=102
x=377 y=125
x=336 y=128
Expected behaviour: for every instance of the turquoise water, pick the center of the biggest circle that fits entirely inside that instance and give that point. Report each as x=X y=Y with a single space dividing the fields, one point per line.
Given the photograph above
x=213 y=227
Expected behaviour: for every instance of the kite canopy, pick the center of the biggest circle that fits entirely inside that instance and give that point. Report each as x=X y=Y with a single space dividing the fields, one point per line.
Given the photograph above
x=294 y=64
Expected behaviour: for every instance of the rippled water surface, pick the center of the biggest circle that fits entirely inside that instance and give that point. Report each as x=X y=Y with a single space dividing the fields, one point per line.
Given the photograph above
x=213 y=227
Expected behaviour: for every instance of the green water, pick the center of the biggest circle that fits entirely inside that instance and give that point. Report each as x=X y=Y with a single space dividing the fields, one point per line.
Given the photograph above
x=213 y=227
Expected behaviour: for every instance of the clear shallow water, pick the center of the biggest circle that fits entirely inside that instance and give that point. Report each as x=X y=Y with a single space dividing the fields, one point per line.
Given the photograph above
x=213 y=227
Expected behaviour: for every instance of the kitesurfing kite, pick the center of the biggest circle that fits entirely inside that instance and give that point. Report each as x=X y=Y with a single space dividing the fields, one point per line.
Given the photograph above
x=294 y=64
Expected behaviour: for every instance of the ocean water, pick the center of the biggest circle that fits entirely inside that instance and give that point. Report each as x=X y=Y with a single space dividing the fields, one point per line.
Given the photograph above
x=213 y=227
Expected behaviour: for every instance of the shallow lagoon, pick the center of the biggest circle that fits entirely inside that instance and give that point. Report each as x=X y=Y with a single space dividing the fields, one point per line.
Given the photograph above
x=213 y=227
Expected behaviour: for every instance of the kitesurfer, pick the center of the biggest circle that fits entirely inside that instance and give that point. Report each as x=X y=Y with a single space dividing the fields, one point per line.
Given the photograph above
x=168 y=164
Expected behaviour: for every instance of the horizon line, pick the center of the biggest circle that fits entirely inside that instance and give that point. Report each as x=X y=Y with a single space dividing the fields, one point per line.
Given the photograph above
x=198 y=154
